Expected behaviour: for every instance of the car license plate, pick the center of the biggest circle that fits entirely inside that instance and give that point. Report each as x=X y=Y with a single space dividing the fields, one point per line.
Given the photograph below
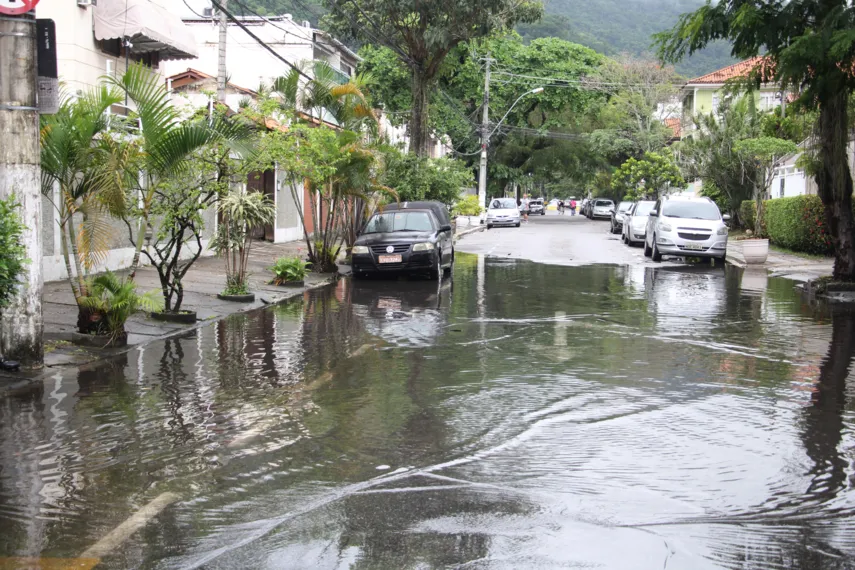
x=390 y=259
x=694 y=247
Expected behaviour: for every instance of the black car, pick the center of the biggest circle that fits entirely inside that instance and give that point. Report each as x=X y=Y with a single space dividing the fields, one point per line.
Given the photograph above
x=412 y=237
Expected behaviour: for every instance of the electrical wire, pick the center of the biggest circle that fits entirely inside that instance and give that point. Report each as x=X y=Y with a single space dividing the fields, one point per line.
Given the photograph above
x=273 y=52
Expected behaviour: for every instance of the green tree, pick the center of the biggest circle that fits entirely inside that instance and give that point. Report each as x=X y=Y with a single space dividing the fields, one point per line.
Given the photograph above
x=763 y=153
x=809 y=45
x=422 y=34
x=709 y=154
x=650 y=176
x=416 y=178
x=12 y=252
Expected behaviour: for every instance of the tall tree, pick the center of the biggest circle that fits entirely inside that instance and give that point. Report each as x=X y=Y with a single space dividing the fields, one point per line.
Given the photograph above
x=810 y=48
x=421 y=34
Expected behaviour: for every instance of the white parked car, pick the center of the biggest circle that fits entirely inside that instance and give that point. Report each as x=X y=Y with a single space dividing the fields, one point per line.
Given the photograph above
x=635 y=224
x=503 y=212
x=601 y=208
x=686 y=227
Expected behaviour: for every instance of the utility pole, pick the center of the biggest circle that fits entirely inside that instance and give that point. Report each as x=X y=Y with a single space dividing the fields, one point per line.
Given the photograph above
x=221 y=70
x=485 y=135
x=21 y=325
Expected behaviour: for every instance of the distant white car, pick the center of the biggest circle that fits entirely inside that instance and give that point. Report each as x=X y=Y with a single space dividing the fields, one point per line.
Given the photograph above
x=686 y=227
x=503 y=212
x=635 y=224
x=602 y=209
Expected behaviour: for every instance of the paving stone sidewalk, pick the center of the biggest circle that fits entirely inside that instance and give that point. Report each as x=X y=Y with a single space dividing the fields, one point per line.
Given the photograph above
x=787 y=265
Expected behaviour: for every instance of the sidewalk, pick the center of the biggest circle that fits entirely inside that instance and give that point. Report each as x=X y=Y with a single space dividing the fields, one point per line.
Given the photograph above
x=201 y=285
x=784 y=264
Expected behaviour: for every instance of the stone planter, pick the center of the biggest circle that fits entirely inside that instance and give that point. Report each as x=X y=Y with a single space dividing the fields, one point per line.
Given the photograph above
x=182 y=317
x=248 y=298
x=755 y=251
x=99 y=341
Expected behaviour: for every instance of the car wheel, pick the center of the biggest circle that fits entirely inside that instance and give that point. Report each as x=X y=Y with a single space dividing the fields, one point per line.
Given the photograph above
x=518 y=224
x=647 y=250
x=448 y=270
x=436 y=272
x=655 y=255
x=543 y=213
x=489 y=226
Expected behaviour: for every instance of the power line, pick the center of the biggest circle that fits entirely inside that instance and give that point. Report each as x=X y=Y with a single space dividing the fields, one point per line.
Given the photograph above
x=275 y=54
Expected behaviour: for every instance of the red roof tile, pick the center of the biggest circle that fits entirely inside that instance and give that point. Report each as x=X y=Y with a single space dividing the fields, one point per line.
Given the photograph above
x=741 y=69
x=675 y=125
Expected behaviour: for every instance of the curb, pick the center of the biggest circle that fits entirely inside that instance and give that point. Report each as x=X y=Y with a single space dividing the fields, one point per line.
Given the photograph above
x=25 y=384
x=464 y=233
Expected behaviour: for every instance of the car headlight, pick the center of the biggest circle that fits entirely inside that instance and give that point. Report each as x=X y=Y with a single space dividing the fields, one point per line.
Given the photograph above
x=663 y=227
x=722 y=231
x=359 y=249
x=427 y=246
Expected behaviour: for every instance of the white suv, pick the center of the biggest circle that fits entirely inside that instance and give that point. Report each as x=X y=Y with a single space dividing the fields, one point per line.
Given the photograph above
x=686 y=227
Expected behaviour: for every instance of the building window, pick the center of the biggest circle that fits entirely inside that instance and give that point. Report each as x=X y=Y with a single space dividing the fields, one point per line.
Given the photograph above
x=716 y=101
x=781 y=191
x=769 y=101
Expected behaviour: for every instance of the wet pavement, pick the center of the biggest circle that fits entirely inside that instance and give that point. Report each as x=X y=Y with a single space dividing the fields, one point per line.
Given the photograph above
x=521 y=415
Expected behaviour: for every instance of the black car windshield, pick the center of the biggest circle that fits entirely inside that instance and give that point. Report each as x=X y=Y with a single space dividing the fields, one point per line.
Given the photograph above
x=643 y=208
x=603 y=203
x=503 y=204
x=692 y=210
x=399 y=222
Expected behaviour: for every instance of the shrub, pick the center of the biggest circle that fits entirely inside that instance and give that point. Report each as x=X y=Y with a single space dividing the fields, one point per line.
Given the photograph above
x=12 y=253
x=289 y=270
x=798 y=223
x=747 y=213
x=112 y=301
x=468 y=206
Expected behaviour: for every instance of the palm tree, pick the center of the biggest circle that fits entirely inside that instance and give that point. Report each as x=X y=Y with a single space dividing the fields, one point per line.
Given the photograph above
x=165 y=142
x=89 y=167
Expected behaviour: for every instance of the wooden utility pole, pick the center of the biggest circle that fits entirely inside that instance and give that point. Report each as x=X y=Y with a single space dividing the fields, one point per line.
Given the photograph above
x=221 y=69
x=21 y=325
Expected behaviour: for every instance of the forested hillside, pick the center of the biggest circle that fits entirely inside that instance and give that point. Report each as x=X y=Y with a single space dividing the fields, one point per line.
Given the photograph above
x=608 y=26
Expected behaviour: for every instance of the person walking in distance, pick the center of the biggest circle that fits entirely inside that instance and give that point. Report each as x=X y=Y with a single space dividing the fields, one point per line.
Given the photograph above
x=561 y=207
x=572 y=207
x=524 y=209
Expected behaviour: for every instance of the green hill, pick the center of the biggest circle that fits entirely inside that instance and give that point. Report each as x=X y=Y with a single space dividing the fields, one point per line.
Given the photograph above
x=616 y=26
x=608 y=26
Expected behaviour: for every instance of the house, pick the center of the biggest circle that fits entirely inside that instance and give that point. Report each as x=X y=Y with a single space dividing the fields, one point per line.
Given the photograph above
x=704 y=94
x=98 y=40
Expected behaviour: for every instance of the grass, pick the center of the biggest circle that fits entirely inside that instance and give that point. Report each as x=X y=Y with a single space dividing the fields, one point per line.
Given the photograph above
x=803 y=255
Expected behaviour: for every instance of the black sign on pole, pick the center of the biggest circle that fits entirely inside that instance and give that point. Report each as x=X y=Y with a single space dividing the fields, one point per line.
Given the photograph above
x=48 y=83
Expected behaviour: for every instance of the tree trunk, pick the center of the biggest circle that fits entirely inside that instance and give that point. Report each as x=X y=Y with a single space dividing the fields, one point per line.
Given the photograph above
x=419 y=124
x=834 y=183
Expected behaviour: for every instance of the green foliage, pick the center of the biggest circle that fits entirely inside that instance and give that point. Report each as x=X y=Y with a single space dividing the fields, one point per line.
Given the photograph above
x=795 y=125
x=113 y=301
x=714 y=193
x=651 y=176
x=763 y=153
x=12 y=253
x=241 y=213
x=747 y=214
x=289 y=270
x=799 y=223
x=415 y=178
x=468 y=206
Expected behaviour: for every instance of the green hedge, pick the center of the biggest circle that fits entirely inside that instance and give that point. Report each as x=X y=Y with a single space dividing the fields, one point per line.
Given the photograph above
x=746 y=214
x=798 y=223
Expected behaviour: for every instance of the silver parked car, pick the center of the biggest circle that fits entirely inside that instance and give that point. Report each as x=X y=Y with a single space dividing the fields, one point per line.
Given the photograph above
x=503 y=212
x=686 y=227
x=618 y=217
x=601 y=208
x=635 y=225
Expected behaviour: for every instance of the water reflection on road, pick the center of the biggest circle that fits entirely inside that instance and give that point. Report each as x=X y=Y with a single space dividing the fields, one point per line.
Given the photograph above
x=522 y=416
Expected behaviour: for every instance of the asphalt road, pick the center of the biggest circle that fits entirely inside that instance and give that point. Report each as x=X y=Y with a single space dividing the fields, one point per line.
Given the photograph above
x=558 y=240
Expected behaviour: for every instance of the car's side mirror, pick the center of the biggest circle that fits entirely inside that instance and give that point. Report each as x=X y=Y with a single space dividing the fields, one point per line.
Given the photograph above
x=726 y=217
x=654 y=214
x=445 y=228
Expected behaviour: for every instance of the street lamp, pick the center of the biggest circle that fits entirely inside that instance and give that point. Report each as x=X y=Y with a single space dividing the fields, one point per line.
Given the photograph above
x=485 y=138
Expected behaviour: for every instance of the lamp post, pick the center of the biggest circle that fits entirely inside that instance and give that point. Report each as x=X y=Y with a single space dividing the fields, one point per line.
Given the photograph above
x=485 y=139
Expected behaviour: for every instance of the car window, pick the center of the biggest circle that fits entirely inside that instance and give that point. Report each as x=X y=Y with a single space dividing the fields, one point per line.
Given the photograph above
x=624 y=206
x=399 y=222
x=503 y=204
x=693 y=210
x=604 y=203
x=643 y=209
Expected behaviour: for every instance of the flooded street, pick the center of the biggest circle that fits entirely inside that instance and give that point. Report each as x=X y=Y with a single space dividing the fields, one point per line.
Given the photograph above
x=521 y=415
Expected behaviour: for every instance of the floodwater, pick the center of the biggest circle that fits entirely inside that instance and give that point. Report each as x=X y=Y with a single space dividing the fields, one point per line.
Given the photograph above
x=523 y=416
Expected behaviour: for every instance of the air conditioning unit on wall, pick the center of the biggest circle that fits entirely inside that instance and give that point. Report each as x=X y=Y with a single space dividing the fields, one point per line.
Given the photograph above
x=85 y=3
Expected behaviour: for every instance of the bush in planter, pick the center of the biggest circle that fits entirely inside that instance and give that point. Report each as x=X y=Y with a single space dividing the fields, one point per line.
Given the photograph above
x=468 y=206
x=798 y=223
x=747 y=213
x=111 y=302
x=289 y=270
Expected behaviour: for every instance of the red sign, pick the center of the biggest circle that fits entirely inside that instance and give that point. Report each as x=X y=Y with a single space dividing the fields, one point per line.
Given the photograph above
x=13 y=7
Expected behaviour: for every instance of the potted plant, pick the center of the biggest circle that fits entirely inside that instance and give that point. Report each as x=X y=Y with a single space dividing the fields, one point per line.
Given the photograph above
x=469 y=209
x=761 y=155
x=111 y=301
x=290 y=271
x=241 y=212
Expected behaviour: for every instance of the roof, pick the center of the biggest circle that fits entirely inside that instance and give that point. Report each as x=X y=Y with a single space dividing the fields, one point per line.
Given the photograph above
x=193 y=75
x=676 y=126
x=735 y=71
